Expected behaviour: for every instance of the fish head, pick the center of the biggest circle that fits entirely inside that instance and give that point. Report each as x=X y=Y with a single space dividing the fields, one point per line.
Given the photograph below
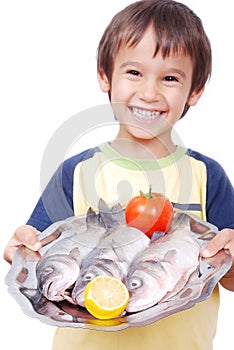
x=146 y=286
x=99 y=267
x=55 y=274
x=81 y=283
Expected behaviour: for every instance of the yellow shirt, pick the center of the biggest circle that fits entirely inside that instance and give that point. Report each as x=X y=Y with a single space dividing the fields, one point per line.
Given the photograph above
x=183 y=179
x=192 y=329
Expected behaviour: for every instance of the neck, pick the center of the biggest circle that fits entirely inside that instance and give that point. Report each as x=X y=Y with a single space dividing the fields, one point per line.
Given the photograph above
x=143 y=149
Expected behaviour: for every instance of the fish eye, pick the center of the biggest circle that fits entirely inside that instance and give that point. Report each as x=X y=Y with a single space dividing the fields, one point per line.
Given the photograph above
x=88 y=277
x=135 y=283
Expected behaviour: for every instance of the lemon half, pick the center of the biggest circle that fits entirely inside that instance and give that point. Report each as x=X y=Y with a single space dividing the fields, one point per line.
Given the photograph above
x=106 y=297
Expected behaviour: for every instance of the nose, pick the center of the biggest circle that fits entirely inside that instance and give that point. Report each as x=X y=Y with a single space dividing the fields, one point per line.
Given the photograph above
x=149 y=91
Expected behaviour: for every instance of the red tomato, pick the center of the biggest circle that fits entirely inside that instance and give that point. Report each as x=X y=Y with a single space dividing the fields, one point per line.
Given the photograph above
x=149 y=213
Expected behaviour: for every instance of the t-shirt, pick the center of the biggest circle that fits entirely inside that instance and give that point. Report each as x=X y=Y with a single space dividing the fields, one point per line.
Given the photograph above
x=192 y=182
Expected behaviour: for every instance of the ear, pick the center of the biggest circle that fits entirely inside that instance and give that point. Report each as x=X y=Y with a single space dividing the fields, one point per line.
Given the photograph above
x=195 y=96
x=103 y=81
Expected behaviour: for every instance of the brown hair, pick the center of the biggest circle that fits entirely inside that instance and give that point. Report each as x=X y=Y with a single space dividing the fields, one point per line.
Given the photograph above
x=177 y=27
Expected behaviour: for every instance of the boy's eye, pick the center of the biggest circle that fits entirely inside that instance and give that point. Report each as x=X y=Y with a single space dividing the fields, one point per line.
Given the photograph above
x=170 y=78
x=133 y=72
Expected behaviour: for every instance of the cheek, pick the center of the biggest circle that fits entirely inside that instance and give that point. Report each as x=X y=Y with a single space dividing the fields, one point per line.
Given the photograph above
x=177 y=103
x=120 y=91
x=119 y=110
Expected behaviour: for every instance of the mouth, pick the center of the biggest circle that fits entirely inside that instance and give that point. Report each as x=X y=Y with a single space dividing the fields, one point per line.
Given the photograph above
x=146 y=115
x=48 y=291
x=79 y=298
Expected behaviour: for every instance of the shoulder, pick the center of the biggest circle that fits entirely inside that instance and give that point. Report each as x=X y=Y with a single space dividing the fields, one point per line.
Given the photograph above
x=69 y=164
x=219 y=192
x=217 y=178
x=64 y=175
x=212 y=166
x=208 y=161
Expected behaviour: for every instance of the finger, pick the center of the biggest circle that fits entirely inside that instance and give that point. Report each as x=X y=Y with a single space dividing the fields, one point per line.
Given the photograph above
x=28 y=235
x=223 y=240
x=8 y=253
x=24 y=235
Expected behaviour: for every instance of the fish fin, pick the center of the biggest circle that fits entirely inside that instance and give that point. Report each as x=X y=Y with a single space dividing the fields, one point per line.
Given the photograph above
x=156 y=235
x=105 y=214
x=75 y=254
x=118 y=214
x=182 y=220
x=111 y=217
x=92 y=219
x=205 y=268
x=169 y=256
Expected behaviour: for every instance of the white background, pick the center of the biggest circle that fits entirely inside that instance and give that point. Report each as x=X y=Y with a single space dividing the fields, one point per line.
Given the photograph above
x=48 y=74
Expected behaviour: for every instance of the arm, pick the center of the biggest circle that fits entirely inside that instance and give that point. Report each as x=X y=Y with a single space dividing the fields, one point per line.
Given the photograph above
x=223 y=240
x=56 y=203
x=220 y=212
x=51 y=207
x=24 y=235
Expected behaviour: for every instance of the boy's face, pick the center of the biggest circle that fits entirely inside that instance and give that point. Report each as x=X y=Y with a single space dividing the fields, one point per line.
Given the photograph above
x=148 y=94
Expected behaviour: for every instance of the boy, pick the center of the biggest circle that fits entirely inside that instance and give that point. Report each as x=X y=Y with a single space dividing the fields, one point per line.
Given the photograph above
x=154 y=60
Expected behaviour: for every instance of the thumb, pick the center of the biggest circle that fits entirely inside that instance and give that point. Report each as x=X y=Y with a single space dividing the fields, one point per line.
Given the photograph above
x=220 y=241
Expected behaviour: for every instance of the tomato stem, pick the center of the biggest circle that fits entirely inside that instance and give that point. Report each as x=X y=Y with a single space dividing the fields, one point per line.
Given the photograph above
x=147 y=195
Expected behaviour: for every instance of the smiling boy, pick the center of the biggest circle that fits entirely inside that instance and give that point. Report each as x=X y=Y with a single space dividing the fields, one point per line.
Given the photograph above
x=149 y=93
x=154 y=60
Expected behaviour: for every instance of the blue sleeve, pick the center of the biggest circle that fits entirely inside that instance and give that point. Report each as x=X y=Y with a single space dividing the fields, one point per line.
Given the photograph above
x=56 y=201
x=219 y=193
x=220 y=197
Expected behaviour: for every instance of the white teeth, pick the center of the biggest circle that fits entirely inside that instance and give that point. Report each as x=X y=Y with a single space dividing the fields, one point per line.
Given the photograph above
x=144 y=114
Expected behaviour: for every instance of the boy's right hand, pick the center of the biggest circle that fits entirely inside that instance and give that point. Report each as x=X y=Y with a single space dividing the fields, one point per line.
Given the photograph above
x=24 y=235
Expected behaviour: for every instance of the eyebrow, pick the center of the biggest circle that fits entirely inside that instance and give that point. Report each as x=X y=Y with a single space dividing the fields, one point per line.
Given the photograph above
x=177 y=71
x=130 y=63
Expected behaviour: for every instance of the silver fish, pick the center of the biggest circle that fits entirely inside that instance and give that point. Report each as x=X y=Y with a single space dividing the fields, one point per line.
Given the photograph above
x=56 y=274
x=163 y=268
x=45 y=307
x=59 y=267
x=113 y=254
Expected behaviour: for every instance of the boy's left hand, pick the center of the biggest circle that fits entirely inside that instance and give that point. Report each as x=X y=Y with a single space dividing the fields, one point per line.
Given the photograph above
x=223 y=240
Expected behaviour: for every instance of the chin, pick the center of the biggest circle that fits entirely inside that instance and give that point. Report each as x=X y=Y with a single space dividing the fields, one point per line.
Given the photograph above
x=141 y=134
